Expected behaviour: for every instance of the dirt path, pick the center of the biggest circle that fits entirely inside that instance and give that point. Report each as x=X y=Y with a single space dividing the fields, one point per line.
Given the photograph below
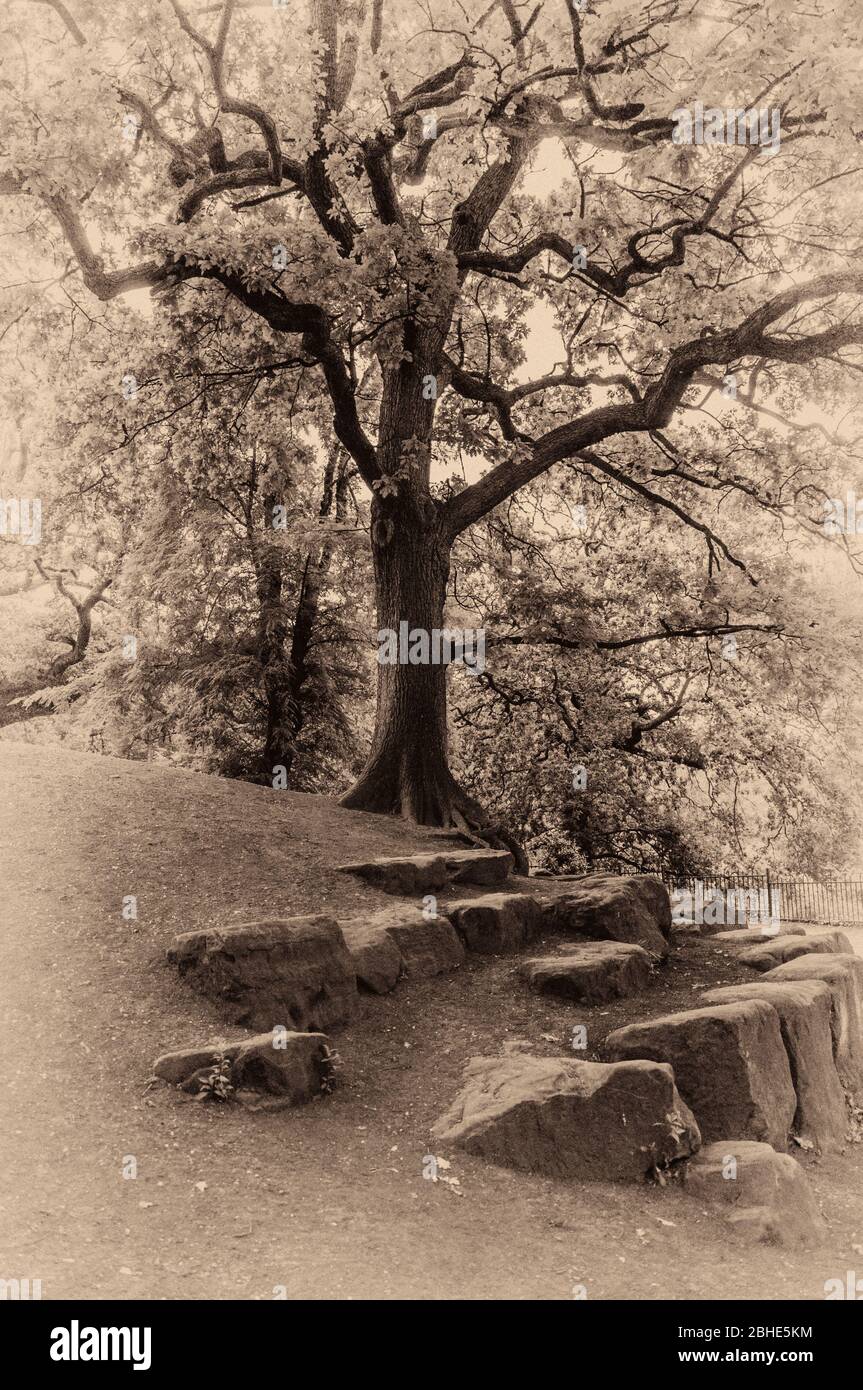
x=328 y=1201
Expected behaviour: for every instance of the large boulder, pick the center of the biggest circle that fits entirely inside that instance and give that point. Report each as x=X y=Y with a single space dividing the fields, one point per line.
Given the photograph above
x=729 y=1063
x=591 y=973
x=607 y=907
x=414 y=874
x=571 y=1119
x=844 y=976
x=294 y=1066
x=776 y=951
x=295 y=972
x=767 y=1194
x=496 y=922
x=804 y=1009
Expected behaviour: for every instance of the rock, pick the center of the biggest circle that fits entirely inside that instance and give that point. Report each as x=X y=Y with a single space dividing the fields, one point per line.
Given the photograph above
x=768 y=1194
x=427 y=945
x=844 y=976
x=754 y=936
x=831 y=943
x=591 y=973
x=496 y=922
x=804 y=1009
x=779 y=949
x=376 y=957
x=293 y=1066
x=729 y=1064
x=571 y=1119
x=295 y=972
x=422 y=873
x=635 y=910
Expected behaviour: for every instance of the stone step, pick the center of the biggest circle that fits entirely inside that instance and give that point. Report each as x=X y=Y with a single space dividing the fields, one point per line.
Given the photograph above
x=591 y=973
x=401 y=940
x=804 y=1010
x=293 y=972
x=753 y=936
x=844 y=976
x=425 y=873
x=569 y=1119
x=495 y=922
x=289 y=1067
x=765 y=1195
x=729 y=1063
x=635 y=910
x=777 y=950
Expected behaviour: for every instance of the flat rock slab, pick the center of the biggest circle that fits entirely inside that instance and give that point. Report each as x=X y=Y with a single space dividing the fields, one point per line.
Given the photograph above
x=295 y=972
x=591 y=973
x=376 y=957
x=570 y=1119
x=293 y=1066
x=496 y=922
x=754 y=936
x=780 y=949
x=421 y=873
x=844 y=976
x=804 y=1009
x=729 y=1063
x=634 y=910
x=767 y=1194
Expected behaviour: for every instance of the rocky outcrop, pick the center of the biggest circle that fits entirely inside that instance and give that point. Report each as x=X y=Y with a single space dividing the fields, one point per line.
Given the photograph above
x=766 y=1195
x=295 y=972
x=570 y=1119
x=634 y=910
x=591 y=973
x=293 y=1066
x=496 y=922
x=423 y=873
x=729 y=1063
x=804 y=1009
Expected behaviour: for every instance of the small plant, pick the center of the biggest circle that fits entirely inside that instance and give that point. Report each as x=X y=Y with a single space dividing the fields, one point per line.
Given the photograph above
x=330 y=1066
x=216 y=1085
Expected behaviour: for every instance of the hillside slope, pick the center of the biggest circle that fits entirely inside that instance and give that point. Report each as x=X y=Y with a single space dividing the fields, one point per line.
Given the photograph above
x=327 y=1201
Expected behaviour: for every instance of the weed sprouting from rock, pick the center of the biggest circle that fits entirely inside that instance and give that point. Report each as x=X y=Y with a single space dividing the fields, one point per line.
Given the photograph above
x=216 y=1085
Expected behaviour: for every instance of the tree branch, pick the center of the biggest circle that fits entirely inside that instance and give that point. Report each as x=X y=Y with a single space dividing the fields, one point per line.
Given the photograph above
x=661 y=400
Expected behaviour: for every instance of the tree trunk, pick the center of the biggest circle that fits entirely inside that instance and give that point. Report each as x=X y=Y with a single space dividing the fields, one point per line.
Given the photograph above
x=407 y=773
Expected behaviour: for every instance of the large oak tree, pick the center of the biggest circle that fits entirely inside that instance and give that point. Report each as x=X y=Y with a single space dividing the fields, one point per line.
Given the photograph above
x=363 y=183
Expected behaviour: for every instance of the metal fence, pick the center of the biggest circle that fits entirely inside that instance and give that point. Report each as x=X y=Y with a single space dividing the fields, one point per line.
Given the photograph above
x=828 y=902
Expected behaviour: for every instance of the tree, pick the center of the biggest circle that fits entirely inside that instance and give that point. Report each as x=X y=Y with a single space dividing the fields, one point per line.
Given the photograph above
x=648 y=714
x=409 y=251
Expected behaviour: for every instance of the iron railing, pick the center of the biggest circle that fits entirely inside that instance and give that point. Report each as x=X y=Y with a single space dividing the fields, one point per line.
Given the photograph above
x=826 y=902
